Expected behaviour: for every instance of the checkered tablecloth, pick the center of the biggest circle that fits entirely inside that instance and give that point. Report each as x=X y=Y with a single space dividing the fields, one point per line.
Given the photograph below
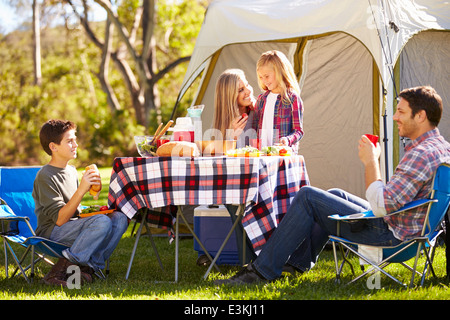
x=265 y=184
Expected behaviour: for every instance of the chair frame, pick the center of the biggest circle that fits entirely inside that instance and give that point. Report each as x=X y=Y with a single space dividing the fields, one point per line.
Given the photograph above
x=425 y=242
x=9 y=238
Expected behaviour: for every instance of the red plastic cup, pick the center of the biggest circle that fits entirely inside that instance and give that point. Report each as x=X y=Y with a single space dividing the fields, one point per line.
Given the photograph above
x=373 y=138
x=162 y=140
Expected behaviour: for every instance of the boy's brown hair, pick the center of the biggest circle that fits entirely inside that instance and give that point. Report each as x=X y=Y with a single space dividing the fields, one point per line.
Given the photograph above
x=53 y=131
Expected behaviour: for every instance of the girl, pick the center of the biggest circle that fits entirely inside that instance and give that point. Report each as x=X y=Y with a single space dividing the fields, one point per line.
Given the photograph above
x=279 y=110
x=234 y=102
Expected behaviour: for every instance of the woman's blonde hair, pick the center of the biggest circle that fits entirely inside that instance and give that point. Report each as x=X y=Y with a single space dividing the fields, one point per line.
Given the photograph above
x=225 y=99
x=284 y=72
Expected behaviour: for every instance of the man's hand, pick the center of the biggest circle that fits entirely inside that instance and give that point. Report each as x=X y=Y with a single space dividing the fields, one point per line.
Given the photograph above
x=369 y=155
x=367 y=152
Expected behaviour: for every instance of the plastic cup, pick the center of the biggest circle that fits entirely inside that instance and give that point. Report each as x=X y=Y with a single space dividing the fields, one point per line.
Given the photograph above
x=162 y=140
x=373 y=138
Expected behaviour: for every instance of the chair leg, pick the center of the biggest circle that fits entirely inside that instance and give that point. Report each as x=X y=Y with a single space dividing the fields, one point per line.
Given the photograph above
x=336 y=264
x=32 y=264
x=5 y=250
x=18 y=263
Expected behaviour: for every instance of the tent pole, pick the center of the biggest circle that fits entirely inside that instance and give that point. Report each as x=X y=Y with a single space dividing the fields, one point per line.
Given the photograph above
x=385 y=140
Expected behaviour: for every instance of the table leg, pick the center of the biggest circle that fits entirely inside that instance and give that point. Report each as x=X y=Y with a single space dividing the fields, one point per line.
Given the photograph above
x=240 y=213
x=180 y=214
x=138 y=235
x=176 y=243
x=198 y=240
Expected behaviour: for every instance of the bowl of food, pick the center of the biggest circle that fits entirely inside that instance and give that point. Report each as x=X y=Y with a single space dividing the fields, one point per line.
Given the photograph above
x=144 y=146
x=215 y=147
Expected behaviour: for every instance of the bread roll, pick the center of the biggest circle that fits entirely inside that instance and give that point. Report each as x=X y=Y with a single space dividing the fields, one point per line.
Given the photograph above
x=95 y=188
x=178 y=149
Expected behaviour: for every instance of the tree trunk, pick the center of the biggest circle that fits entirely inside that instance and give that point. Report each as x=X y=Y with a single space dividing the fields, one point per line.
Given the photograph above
x=37 y=43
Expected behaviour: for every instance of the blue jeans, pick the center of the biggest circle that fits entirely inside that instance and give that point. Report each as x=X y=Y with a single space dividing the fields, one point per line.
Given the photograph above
x=92 y=239
x=308 y=215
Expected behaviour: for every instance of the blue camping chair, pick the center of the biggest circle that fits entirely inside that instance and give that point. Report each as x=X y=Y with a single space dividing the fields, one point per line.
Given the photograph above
x=16 y=186
x=438 y=204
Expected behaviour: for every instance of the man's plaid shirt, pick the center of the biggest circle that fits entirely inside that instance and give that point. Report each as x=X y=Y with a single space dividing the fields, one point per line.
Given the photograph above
x=412 y=181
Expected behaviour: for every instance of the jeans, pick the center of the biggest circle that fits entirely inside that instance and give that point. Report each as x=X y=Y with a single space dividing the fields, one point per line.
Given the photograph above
x=309 y=213
x=92 y=239
x=303 y=258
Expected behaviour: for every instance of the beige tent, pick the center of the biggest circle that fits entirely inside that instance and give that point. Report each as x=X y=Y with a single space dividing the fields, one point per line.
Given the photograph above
x=345 y=52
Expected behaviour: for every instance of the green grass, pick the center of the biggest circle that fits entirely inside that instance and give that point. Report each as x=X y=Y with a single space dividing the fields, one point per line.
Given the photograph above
x=148 y=282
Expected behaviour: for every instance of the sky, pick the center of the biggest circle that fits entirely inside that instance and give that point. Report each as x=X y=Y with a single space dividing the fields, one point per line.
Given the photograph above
x=10 y=21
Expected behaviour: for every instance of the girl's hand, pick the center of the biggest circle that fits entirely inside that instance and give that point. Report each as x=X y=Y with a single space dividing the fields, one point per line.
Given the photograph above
x=284 y=141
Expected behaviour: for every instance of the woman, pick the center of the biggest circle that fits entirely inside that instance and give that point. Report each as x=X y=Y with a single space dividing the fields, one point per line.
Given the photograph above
x=233 y=104
x=233 y=113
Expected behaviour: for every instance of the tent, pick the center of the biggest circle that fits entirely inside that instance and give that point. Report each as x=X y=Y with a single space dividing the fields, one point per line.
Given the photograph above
x=351 y=57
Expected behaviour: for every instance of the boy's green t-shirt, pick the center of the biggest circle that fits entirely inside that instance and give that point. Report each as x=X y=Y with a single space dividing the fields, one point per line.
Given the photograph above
x=53 y=188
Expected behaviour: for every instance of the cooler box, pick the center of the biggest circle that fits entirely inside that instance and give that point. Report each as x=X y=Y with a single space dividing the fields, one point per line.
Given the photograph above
x=211 y=225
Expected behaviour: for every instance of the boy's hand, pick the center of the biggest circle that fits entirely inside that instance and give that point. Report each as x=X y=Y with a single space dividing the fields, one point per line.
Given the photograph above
x=89 y=178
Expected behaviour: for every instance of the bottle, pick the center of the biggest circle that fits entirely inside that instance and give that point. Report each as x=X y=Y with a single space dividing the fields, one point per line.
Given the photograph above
x=183 y=130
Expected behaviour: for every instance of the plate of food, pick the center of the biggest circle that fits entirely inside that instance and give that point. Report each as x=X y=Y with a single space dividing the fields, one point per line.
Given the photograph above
x=247 y=151
x=95 y=209
x=277 y=151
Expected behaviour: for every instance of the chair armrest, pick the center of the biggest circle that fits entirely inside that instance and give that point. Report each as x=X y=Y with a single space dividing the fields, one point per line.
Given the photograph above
x=413 y=205
x=14 y=218
x=369 y=214
x=355 y=216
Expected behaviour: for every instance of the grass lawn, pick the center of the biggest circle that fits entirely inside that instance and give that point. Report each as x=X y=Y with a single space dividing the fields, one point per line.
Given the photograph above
x=148 y=282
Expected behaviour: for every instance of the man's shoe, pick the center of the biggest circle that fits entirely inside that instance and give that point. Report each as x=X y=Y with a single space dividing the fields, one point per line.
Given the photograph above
x=291 y=270
x=247 y=275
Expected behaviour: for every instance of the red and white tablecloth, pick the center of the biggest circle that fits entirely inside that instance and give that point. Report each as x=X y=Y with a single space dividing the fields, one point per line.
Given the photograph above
x=266 y=185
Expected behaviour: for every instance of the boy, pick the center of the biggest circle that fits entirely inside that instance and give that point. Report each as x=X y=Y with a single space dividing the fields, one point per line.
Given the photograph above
x=57 y=195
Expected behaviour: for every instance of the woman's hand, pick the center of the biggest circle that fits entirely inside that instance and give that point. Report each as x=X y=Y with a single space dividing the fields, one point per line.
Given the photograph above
x=238 y=124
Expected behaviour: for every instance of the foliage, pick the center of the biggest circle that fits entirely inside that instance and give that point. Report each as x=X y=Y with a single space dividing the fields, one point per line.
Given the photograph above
x=71 y=90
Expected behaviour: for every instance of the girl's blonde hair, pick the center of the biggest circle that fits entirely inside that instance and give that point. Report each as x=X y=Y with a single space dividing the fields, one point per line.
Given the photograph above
x=225 y=99
x=284 y=72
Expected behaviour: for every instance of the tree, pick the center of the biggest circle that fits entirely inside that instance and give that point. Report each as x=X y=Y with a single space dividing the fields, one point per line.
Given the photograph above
x=37 y=43
x=134 y=55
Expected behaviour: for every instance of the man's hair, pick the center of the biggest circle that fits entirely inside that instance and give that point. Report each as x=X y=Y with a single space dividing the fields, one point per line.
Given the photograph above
x=53 y=131
x=424 y=98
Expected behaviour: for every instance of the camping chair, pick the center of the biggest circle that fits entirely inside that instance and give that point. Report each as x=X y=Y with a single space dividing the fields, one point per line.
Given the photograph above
x=16 y=186
x=437 y=203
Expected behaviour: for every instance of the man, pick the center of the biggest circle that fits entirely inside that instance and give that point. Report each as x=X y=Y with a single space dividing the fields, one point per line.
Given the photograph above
x=418 y=114
x=57 y=195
